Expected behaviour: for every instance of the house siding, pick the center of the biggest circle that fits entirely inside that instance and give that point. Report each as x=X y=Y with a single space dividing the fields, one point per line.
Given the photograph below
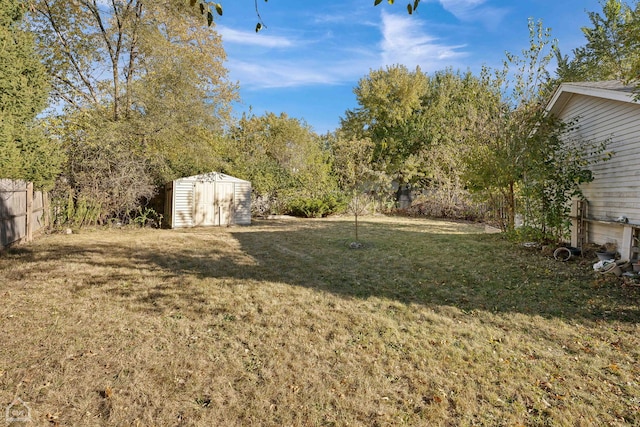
x=615 y=190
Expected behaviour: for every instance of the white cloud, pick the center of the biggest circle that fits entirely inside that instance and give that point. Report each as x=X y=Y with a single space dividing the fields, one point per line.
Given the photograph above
x=401 y=39
x=274 y=73
x=461 y=8
x=405 y=42
x=326 y=18
x=475 y=10
x=251 y=38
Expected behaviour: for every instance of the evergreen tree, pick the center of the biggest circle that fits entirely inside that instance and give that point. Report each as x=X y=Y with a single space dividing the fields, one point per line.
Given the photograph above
x=25 y=152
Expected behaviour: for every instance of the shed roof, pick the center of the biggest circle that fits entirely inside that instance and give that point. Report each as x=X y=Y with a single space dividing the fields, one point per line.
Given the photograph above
x=212 y=177
x=610 y=89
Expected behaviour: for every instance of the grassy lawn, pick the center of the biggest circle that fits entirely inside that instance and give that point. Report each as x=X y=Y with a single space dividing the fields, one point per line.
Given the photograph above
x=431 y=323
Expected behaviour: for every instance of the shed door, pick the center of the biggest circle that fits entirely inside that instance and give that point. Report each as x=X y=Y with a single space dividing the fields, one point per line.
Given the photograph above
x=224 y=203
x=204 y=203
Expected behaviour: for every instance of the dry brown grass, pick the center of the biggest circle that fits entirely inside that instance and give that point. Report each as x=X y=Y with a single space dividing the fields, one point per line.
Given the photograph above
x=277 y=324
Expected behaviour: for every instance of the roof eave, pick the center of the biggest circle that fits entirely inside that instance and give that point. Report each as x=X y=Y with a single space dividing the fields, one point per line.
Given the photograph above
x=566 y=91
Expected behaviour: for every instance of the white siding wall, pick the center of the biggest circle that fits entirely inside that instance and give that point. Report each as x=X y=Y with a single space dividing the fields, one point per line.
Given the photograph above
x=615 y=190
x=183 y=203
x=243 y=203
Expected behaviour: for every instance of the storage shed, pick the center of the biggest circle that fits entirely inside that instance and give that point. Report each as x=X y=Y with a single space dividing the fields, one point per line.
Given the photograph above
x=207 y=200
x=611 y=214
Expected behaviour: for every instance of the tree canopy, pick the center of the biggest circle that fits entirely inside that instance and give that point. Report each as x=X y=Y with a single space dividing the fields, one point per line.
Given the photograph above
x=419 y=124
x=612 y=48
x=141 y=96
x=282 y=157
x=450 y=132
x=137 y=81
x=25 y=151
x=525 y=159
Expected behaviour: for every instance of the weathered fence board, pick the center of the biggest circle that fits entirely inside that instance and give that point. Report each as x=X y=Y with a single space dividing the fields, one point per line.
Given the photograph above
x=22 y=211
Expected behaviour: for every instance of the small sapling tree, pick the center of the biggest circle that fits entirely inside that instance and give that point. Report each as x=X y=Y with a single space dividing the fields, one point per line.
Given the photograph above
x=353 y=160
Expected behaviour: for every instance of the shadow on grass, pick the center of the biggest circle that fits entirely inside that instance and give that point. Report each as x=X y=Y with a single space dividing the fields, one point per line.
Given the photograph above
x=441 y=267
x=410 y=263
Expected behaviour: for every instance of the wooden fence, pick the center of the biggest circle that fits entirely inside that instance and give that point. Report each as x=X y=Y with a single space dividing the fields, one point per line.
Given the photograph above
x=22 y=211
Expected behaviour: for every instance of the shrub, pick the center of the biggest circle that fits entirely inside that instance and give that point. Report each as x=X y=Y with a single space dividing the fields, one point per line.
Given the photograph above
x=146 y=217
x=529 y=234
x=311 y=207
x=440 y=204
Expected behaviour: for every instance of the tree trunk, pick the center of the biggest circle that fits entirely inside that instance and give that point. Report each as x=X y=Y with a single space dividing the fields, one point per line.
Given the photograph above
x=511 y=207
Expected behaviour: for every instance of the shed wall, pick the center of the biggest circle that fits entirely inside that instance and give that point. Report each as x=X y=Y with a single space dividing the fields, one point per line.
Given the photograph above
x=185 y=213
x=615 y=190
x=183 y=203
x=243 y=203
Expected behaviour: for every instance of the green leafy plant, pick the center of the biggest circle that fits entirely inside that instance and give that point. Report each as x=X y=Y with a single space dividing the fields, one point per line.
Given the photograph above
x=76 y=212
x=147 y=217
x=315 y=207
x=528 y=234
x=26 y=152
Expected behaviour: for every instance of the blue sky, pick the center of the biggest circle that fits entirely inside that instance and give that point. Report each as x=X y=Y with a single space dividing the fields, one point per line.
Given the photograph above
x=310 y=57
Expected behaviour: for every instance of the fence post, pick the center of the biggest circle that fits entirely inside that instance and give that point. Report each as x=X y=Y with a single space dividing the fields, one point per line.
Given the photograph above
x=30 y=216
x=46 y=209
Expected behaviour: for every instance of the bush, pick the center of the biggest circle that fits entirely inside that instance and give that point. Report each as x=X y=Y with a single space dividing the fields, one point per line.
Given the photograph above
x=146 y=217
x=310 y=207
x=439 y=204
x=529 y=234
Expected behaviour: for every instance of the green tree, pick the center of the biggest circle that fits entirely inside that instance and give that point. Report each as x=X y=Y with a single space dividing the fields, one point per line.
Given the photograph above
x=516 y=136
x=282 y=157
x=390 y=114
x=457 y=107
x=107 y=175
x=421 y=126
x=25 y=151
x=612 y=49
x=135 y=76
x=353 y=168
x=555 y=178
x=525 y=156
